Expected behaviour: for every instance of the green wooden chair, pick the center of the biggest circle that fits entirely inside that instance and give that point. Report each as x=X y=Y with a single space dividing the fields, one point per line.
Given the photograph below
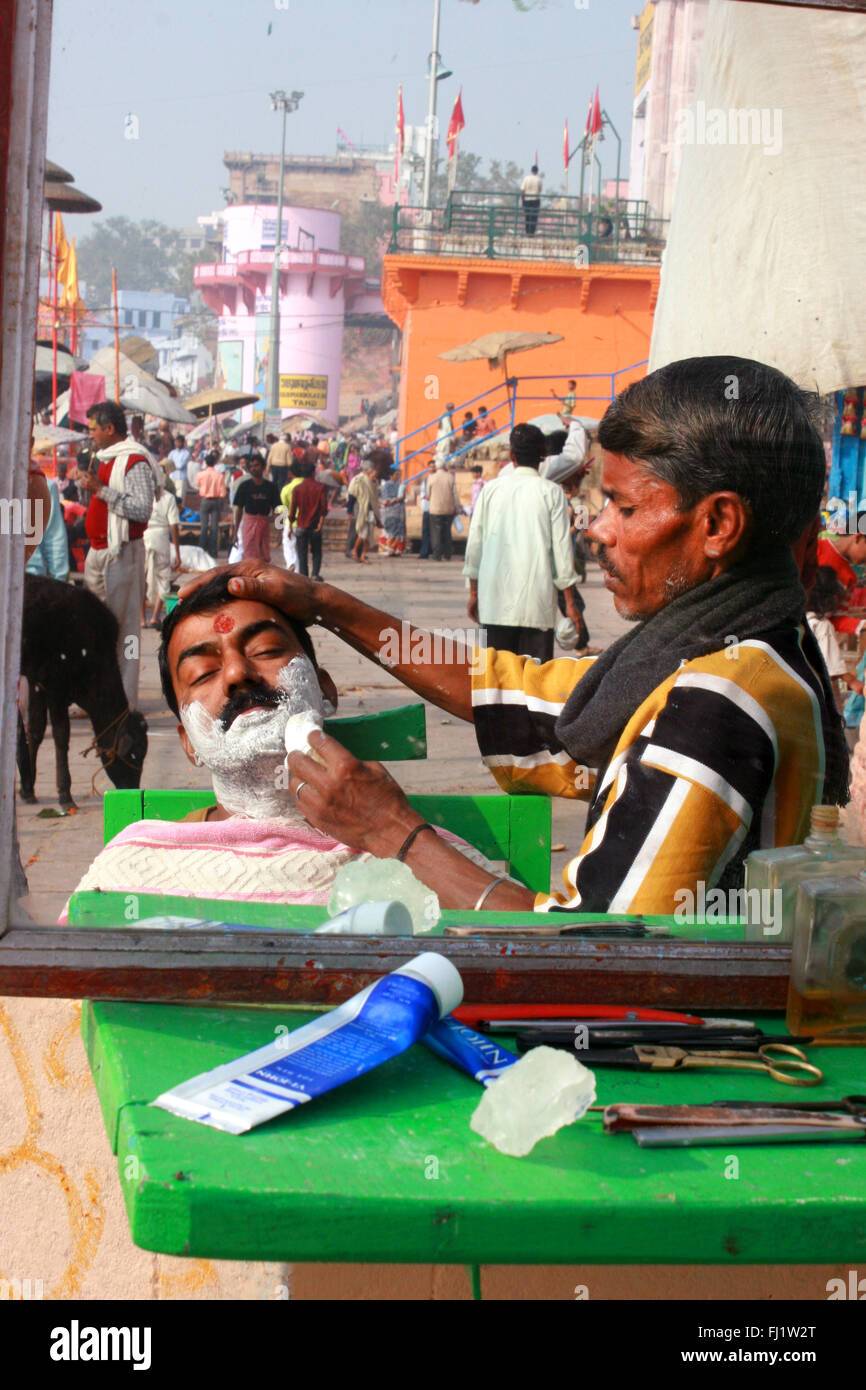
x=513 y=829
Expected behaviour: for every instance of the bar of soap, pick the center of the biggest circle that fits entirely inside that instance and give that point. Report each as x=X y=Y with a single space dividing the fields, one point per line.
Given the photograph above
x=547 y=1089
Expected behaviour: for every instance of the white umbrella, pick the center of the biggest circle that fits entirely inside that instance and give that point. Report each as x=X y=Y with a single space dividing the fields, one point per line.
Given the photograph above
x=139 y=391
x=56 y=434
x=549 y=424
x=495 y=347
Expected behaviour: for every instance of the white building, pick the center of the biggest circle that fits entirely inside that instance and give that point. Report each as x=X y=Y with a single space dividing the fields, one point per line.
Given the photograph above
x=144 y=313
x=670 y=38
x=186 y=363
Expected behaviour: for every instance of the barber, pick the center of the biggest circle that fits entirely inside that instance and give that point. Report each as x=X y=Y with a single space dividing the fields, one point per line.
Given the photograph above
x=706 y=731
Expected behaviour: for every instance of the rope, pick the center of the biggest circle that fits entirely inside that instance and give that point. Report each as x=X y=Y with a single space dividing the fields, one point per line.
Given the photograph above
x=110 y=755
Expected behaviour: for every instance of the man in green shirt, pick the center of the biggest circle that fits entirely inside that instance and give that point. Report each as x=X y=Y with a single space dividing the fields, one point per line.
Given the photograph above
x=569 y=400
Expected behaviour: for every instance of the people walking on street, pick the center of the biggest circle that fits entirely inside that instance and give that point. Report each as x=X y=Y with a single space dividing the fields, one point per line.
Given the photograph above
x=179 y=458
x=530 y=197
x=477 y=485
x=121 y=492
x=290 y=545
x=444 y=506
x=424 y=503
x=279 y=458
x=254 y=505
x=364 y=487
x=519 y=553
x=308 y=507
x=65 y=486
x=392 y=500
x=211 y=486
x=163 y=529
x=51 y=555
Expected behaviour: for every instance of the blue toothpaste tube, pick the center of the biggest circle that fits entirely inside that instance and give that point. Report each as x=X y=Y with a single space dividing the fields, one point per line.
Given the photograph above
x=382 y=1021
x=472 y=1052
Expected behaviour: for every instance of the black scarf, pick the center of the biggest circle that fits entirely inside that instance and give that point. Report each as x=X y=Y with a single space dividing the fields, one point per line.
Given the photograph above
x=749 y=601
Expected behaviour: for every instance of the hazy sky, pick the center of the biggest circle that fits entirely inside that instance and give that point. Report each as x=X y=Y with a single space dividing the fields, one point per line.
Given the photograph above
x=196 y=75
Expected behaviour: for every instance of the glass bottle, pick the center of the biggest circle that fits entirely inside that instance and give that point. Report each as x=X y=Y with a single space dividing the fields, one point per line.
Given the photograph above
x=777 y=873
x=827 y=988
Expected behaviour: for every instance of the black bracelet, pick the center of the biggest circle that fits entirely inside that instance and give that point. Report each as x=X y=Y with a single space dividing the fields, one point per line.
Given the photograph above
x=410 y=840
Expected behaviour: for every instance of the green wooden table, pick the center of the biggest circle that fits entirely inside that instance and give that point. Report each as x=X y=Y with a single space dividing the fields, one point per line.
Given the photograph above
x=387 y=1168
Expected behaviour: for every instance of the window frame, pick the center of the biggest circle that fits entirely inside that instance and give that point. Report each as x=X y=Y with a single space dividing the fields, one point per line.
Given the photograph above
x=290 y=967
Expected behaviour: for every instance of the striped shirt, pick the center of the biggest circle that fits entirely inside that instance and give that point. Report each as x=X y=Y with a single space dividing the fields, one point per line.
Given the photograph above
x=725 y=756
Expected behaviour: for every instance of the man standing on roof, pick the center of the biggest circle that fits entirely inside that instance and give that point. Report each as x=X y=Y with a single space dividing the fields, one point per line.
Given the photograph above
x=530 y=196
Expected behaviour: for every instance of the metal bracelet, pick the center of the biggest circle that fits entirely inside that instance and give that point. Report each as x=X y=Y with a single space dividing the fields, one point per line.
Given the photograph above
x=410 y=840
x=487 y=891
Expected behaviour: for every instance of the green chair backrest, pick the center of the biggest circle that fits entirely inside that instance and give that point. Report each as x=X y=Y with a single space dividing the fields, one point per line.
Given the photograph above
x=515 y=829
x=171 y=601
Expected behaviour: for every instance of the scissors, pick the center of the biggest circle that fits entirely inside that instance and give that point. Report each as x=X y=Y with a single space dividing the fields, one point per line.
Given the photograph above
x=779 y=1060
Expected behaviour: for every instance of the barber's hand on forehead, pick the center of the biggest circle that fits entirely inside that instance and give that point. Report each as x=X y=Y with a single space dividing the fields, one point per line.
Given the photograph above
x=292 y=594
x=357 y=803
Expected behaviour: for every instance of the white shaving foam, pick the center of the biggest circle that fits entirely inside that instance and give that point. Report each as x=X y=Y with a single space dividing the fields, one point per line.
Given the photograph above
x=247 y=760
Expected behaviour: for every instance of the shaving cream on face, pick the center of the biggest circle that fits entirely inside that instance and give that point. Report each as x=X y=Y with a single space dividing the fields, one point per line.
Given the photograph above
x=246 y=761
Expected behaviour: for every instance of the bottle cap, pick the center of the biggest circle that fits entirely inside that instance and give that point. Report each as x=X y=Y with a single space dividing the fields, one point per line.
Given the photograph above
x=370 y=919
x=442 y=977
x=825 y=818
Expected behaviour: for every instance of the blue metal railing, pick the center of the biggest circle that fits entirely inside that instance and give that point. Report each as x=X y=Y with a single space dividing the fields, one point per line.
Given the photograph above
x=514 y=396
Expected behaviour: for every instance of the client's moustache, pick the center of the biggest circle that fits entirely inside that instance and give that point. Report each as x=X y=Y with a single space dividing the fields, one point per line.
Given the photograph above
x=253 y=697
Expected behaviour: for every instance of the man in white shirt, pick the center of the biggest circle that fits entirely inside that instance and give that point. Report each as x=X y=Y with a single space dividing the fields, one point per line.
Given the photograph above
x=530 y=196
x=180 y=455
x=519 y=552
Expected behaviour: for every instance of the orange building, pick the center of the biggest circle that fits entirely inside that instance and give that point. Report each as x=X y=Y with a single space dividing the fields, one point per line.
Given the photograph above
x=604 y=312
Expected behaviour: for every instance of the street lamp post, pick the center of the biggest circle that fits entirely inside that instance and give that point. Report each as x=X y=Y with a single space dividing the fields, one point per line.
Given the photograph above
x=431 y=106
x=279 y=102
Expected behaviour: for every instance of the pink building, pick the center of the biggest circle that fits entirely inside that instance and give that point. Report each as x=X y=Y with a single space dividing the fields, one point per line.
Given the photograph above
x=318 y=285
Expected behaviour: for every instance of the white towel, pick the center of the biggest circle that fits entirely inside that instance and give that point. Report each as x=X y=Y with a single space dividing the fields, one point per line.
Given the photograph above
x=118 y=526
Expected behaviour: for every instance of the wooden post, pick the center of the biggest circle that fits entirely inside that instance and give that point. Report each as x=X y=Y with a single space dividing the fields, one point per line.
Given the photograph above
x=116 y=335
x=25 y=44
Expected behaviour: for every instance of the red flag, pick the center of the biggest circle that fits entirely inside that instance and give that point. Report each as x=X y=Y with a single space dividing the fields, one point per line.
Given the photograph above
x=565 y=145
x=401 y=133
x=593 y=119
x=455 y=125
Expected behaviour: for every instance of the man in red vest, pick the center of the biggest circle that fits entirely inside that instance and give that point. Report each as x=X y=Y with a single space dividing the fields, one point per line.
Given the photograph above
x=122 y=490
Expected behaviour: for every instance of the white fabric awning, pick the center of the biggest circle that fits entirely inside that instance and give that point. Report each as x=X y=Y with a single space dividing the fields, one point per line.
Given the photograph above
x=767 y=239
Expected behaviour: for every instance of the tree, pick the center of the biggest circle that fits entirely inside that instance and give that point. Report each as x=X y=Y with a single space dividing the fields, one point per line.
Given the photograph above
x=146 y=255
x=500 y=178
x=366 y=231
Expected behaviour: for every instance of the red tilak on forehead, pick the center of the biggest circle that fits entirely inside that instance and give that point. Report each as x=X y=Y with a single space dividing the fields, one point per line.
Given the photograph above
x=223 y=623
